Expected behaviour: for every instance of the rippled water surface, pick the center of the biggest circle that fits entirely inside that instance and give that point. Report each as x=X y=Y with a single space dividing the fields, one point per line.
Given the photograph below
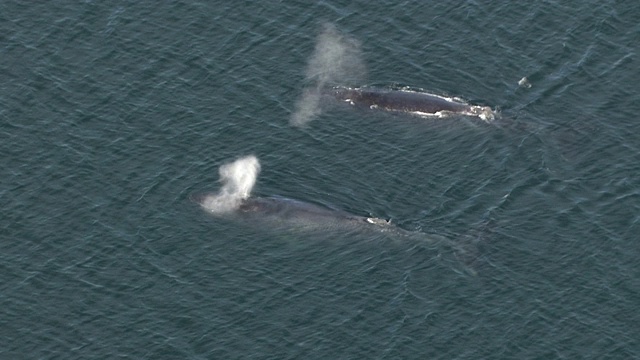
x=113 y=114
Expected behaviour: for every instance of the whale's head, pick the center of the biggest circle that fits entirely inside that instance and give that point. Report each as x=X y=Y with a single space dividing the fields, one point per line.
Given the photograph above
x=483 y=112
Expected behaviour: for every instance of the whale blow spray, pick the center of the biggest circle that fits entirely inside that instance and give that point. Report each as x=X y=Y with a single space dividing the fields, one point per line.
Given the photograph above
x=336 y=58
x=238 y=179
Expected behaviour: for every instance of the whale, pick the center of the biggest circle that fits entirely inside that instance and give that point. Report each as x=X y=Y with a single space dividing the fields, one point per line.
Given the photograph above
x=296 y=212
x=407 y=101
x=279 y=211
x=283 y=215
x=286 y=215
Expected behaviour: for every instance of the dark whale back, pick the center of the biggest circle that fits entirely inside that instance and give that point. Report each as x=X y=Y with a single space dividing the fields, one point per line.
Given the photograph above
x=287 y=208
x=290 y=213
x=397 y=100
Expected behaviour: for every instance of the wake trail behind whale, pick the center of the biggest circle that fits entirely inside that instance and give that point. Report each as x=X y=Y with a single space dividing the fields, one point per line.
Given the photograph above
x=336 y=58
x=238 y=179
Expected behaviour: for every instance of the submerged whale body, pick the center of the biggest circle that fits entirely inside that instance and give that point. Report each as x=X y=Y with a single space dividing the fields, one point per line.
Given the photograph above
x=299 y=215
x=298 y=212
x=408 y=101
x=289 y=214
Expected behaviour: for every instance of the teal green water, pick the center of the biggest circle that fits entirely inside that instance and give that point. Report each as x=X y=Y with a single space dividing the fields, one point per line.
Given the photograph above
x=112 y=114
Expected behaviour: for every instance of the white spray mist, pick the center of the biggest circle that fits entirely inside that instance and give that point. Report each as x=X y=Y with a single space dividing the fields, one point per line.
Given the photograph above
x=238 y=179
x=336 y=59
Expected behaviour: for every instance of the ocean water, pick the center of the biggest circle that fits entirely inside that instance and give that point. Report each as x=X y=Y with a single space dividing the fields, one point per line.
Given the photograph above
x=113 y=114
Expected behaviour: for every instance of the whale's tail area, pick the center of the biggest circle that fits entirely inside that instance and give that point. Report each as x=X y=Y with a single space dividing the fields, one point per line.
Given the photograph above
x=468 y=247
